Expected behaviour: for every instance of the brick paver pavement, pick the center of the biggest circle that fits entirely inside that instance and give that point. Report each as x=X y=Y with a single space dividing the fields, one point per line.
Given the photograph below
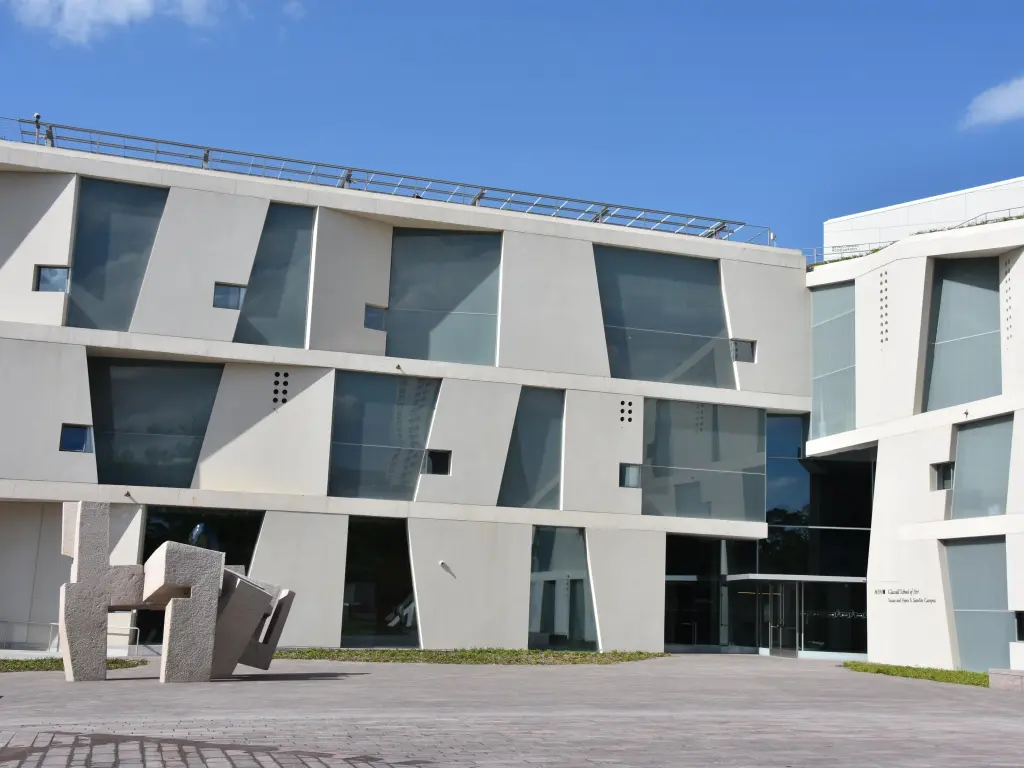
x=681 y=711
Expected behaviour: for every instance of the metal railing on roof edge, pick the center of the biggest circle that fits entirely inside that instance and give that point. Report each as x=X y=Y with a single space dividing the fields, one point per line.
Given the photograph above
x=35 y=131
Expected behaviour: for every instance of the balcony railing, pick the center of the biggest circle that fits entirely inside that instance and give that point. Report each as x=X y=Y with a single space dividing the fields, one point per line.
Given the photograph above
x=34 y=131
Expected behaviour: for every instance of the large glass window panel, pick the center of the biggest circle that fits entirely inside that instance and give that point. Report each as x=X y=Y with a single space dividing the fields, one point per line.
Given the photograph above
x=983 y=639
x=835 y=617
x=834 y=403
x=982 y=468
x=379 y=601
x=797 y=550
x=561 y=602
x=832 y=301
x=150 y=418
x=788 y=489
x=703 y=436
x=443 y=302
x=274 y=308
x=977 y=573
x=964 y=353
x=452 y=337
x=785 y=436
x=533 y=466
x=833 y=345
x=673 y=492
x=115 y=226
x=378 y=434
x=659 y=356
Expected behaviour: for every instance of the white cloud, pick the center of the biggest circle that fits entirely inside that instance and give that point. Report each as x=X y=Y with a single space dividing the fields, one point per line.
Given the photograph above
x=294 y=9
x=1000 y=104
x=81 y=20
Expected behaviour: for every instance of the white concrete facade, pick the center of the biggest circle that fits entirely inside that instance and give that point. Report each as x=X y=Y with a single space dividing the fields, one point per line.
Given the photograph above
x=468 y=552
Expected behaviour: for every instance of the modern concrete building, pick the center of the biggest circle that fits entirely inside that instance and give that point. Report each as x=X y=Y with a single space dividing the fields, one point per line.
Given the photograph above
x=453 y=416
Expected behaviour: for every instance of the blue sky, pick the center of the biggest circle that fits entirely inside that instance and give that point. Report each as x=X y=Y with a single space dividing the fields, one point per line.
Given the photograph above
x=783 y=113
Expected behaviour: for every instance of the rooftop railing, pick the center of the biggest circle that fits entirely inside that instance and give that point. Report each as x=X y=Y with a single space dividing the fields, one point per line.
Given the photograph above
x=35 y=131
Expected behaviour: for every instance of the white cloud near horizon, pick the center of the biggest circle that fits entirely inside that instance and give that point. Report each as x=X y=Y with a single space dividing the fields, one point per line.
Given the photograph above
x=1001 y=103
x=82 y=20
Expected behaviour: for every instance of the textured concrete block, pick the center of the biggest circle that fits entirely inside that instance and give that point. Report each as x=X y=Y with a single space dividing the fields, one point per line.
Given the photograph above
x=1006 y=680
x=188 y=580
x=241 y=611
x=260 y=651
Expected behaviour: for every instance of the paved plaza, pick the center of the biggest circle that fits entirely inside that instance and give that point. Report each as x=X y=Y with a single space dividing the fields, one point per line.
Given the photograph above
x=680 y=711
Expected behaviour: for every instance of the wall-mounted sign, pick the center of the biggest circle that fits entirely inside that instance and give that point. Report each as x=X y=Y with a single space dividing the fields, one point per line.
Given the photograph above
x=903 y=595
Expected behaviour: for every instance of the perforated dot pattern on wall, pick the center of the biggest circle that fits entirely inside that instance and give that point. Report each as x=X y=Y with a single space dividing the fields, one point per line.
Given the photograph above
x=280 y=387
x=626 y=411
x=1006 y=294
x=883 y=306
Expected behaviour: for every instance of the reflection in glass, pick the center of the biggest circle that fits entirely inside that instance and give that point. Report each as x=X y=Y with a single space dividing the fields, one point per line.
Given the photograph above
x=443 y=301
x=533 y=466
x=115 y=226
x=797 y=550
x=664 y=317
x=982 y=468
x=963 y=361
x=51 y=279
x=672 y=492
x=693 y=585
x=379 y=433
x=273 y=309
x=977 y=581
x=150 y=418
x=380 y=604
x=833 y=361
x=835 y=617
x=561 y=603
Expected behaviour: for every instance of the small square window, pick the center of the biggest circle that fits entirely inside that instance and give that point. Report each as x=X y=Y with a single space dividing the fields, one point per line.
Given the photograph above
x=942 y=475
x=374 y=317
x=629 y=475
x=743 y=351
x=227 y=296
x=76 y=438
x=51 y=280
x=437 y=463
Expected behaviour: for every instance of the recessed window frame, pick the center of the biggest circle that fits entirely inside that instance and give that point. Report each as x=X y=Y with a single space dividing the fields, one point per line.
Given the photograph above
x=630 y=475
x=375 y=318
x=736 y=345
x=437 y=462
x=37 y=274
x=943 y=476
x=240 y=295
x=66 y=445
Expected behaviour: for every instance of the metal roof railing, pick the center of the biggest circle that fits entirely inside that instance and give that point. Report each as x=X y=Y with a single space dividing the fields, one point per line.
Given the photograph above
x=35 y=131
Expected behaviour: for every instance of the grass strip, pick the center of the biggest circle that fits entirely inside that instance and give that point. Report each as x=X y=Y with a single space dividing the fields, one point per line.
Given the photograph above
x=958 y=676
x=468 y=656
x=57 y=665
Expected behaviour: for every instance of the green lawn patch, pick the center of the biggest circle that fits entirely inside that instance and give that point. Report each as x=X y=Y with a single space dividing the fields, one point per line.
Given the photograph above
x=959 y=676
x=471 y=656
x=57 y=665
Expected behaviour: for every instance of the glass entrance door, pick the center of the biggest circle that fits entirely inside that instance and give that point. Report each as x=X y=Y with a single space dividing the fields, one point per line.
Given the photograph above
x=784 y=615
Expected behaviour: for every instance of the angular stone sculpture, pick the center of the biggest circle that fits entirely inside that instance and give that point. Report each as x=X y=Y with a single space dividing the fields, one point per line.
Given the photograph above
x=216 y=618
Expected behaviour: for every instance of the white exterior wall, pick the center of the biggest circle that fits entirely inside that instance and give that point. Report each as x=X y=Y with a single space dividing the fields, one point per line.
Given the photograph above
x=473 y=420
x=306 y=553
x=472 y=583
x=203 y=238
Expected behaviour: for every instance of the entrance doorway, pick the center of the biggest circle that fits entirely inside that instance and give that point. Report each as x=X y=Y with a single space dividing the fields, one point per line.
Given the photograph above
x=784 y=613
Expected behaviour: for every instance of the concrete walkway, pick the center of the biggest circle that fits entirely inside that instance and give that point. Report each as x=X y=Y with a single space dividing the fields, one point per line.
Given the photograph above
x=680 y=711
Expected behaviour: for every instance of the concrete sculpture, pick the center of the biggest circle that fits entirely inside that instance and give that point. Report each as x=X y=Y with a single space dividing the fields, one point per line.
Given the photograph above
x=215 y=617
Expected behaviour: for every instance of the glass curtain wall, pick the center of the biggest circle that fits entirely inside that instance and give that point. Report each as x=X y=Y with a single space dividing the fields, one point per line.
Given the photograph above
x=664 y=317
x=443 y=302
x=833 y=360
x=533 y=466
x=982 y=475
x=380 y=604
x=693 y=591
x=274 y=305
x=115 y=226
x=703 y=460
x=379 y=434
x=964 y=354
x=150 y=419
x=977 y=580
x=561 y=602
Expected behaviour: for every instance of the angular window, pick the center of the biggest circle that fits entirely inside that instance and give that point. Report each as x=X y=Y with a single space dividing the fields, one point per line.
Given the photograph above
x=703 y=460
x=226 y=296
x=664 y=317
x=379 y=602
x=437 y=463
x=963 y=358
x=833 y=360
x=982 y=468
x=744 y=351
x=150 y=418
x=274 y=307
x=51 y=280
x=374 y=318
x=75 y=438
x=379 y=434
x=977 y=581
x=115 y=226
x=533 y=466
x=443 y=302
x=629 y=475
x=943 y=476
x=561 y=603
